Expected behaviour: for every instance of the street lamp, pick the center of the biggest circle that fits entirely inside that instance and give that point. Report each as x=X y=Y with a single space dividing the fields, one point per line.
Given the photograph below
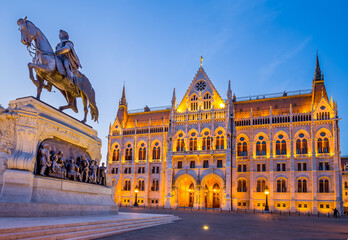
x=266 y=193
x=136 y=190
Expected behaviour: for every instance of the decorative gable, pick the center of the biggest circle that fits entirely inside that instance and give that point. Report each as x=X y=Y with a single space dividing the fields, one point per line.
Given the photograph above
x=200 y=91
x=324 y=110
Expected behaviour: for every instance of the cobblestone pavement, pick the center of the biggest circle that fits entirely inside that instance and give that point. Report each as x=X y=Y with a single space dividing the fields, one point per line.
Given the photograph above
x=238 y=226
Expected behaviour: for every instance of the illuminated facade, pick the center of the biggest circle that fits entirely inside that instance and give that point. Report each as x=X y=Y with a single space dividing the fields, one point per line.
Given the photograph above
x=211 y=152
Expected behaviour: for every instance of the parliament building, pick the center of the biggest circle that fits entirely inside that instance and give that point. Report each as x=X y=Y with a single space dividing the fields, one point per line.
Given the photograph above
x=219 y=151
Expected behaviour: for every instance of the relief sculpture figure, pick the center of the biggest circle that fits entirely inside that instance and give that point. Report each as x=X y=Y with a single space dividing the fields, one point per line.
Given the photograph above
x=44 y=158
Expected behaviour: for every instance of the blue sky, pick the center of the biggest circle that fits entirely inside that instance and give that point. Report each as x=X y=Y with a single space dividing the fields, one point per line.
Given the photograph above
x=154 y=46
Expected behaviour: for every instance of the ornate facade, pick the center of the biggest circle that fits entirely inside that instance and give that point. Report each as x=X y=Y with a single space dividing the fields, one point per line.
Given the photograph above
x=210 y=152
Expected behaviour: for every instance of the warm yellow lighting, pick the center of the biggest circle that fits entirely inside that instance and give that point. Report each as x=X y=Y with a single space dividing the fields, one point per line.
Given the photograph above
x=266 y=190
x=189 y=190
x=205 y=227
x=136 y=189
x=222 y=105
x=214 y=190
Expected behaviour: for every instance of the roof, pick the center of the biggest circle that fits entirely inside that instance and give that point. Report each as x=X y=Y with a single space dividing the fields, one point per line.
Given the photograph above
x=143 y=119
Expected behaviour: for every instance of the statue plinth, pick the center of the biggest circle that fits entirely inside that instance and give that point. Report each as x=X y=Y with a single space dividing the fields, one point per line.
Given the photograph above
x=24 y=125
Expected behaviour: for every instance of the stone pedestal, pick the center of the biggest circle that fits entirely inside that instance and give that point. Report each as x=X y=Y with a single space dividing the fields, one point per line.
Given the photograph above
x=24 y=125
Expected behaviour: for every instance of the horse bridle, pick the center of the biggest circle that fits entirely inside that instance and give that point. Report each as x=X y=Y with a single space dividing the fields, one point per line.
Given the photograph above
x=32 y=49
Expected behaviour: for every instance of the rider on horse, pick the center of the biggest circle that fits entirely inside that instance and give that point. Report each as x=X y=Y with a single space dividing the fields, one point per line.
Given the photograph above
x=66 y=54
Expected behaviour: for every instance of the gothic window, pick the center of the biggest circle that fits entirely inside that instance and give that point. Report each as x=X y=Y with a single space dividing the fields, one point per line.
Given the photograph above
x=324 y=186
x=142 y=152
x=220 y=142
x=180 y=144
x=127 y=185
x=116 y=154
x=155 y=185
x=194 y=103
x=302 y=186
x=156 y=151
x=261 y=147
x=141 y=185
x=242 y=187
x=260 y=185
x=206 y=141
x=193 y=142
x=200 y=86
x=242 y=147
x=323 y=144
x=301 y=146
x=129 y=152
x=207 y=101
x=281 y=185
x=281 y=147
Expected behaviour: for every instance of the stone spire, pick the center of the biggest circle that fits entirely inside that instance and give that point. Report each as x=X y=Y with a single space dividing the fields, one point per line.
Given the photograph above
x=174 y=99
x=201 y=61
x=229 y=91
x=123 y=100
x=317 y=75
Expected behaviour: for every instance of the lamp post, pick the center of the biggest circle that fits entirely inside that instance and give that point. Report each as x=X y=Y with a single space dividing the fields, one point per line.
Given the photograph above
x=136 y=190
x=266 y=193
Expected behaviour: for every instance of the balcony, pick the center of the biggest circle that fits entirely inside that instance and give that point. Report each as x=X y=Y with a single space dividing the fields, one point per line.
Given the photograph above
x=242 y=157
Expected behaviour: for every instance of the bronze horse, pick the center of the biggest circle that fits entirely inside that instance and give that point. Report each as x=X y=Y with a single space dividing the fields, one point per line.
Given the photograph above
x=45 y=65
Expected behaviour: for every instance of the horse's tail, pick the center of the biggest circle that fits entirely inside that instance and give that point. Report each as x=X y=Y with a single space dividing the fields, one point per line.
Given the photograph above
x=93 y=106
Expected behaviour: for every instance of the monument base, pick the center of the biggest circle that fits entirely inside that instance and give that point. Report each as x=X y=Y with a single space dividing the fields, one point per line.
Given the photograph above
x=27 y=195
x=24 y=126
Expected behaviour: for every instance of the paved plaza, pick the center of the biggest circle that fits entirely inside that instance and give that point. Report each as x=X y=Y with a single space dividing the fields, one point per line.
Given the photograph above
x=239 y=226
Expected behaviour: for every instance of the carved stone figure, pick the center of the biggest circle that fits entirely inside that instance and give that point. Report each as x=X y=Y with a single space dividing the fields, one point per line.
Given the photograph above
x=84 y=169
x=93 y=172
x=72 y=84
x=102 y=175
x=57 y=171
x=44 y=157
x=73 y=171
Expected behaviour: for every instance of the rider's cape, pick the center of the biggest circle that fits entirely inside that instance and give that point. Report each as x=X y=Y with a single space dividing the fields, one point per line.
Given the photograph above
x=72 y=57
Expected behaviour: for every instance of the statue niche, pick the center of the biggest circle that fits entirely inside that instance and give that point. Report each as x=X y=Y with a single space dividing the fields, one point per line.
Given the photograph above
x=78 y=167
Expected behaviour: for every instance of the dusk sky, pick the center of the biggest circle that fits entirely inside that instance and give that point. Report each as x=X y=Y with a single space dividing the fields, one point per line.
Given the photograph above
x=154 y=46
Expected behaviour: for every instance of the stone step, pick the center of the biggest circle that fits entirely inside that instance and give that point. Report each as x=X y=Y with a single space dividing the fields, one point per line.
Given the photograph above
x=115 y=232
x=45 y=232
x=87 y=234
x=77 y=224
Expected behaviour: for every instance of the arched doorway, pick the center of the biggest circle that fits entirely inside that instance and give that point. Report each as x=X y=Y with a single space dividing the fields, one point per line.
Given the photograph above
x=185 y=191
x=216 y=196
x=212 y=191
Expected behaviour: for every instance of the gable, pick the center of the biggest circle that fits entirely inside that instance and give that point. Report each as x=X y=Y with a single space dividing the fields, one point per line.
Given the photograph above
x=200 y=86
x=323 y=110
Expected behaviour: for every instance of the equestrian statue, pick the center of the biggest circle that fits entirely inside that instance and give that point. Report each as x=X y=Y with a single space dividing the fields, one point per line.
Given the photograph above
x=58 y=68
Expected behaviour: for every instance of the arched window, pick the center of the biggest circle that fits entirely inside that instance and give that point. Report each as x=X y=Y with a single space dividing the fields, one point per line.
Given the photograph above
x=346 y=185
x=220 y=142
x=302 y=186
x=242 y=187
x=261 y=147
x=206 y=141
x=323 y=144
x=193 y=142
x=180 y=143
x=155 y=185
x=127 y=185
x=116 y=154
x=194 y=103
x=142 y=152
x=281 y=185
x=156 y=151
x=141 y=185
x=129 y=152
x=242 y=147
x=207 y=101
x=280 y=147
x=324 y=186
x=301 y=146
x=261 y=185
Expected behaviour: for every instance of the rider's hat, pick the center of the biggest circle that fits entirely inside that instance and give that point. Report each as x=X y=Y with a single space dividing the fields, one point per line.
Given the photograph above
x=64 y=33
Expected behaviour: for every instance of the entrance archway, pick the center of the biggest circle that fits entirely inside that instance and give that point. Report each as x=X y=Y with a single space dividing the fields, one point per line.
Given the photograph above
x=185 y=191
x=212 y=191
